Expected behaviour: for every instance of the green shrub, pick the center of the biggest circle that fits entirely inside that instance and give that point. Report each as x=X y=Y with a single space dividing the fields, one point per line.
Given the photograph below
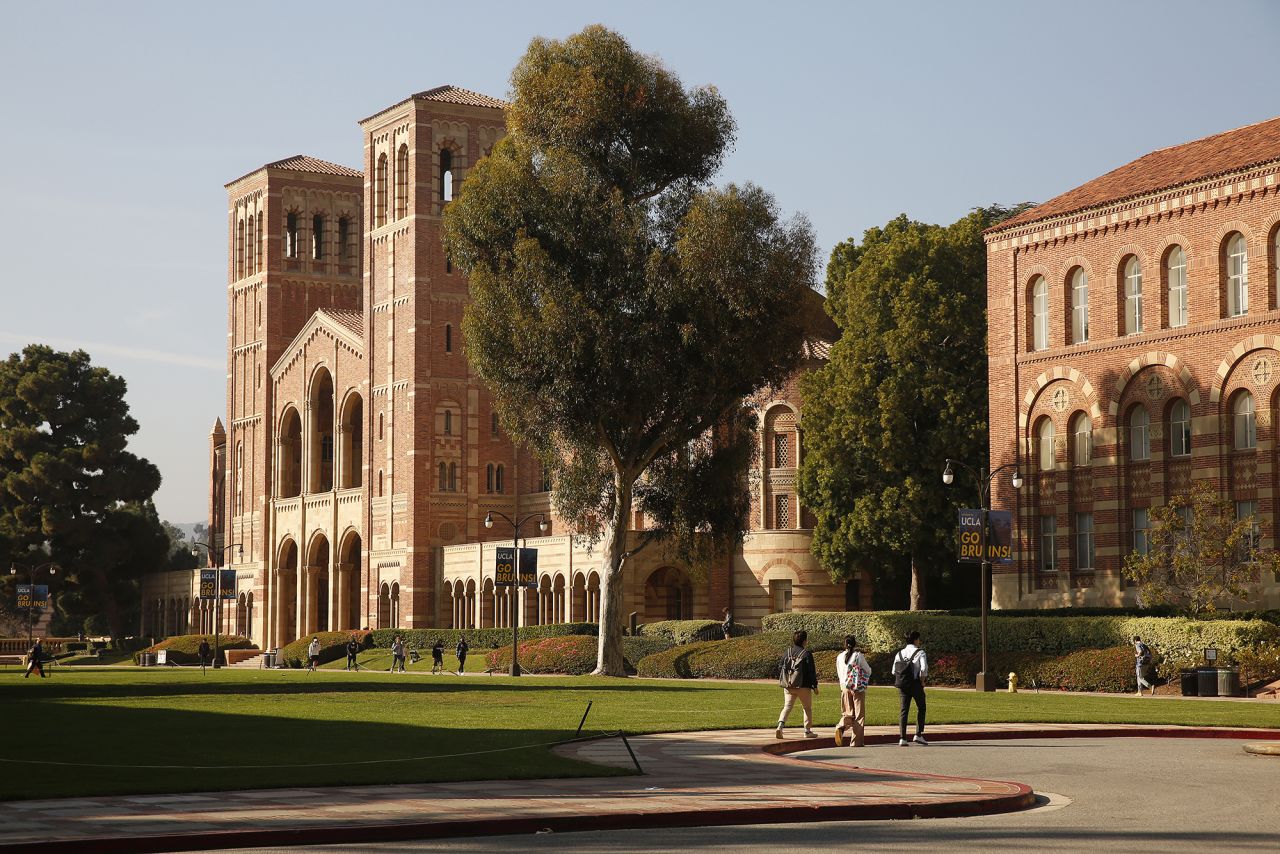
x=185 y=649
x=751 y=657
x=1177 y=638
x=1271 y=616
x=574 y=655
x=1258 y=666
x=333 y=645
x=129 y=644
x=482 y=638
x=682 y=631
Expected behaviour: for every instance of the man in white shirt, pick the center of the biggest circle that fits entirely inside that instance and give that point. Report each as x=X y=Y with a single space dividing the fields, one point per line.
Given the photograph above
x=910 y=669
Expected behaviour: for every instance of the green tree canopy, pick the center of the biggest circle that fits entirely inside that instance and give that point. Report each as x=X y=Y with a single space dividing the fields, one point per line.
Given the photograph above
x=905 y=388
x=66 y=473
x=623 y=309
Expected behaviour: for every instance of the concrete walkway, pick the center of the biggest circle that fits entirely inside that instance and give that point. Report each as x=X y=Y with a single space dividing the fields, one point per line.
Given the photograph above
x=691 y=779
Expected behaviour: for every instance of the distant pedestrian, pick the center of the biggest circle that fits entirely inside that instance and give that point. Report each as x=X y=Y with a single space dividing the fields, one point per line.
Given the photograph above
x=205 y=653
x=726 y=623
x=353 y=647
x=437 y=656
x=313 y=654
x=461 y=651
x=35 y=659
x=910 y=669
x=798 y=676
x=854 y=674
x=397 y=654
x=1143 y=664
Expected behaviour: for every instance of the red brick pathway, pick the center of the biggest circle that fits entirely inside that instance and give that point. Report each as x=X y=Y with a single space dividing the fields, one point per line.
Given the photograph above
x=691 y=779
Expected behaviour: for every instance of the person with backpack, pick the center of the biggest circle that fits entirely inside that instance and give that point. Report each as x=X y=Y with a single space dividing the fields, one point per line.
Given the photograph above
x=910 y=669
x=854 y=674
x=397 y=654
x=461 y=651
x=353 y=647
x=35 y=660
x=313 y=654
x=798 y=676
x=437 y=656
x=1143 y=661
x=205 y=653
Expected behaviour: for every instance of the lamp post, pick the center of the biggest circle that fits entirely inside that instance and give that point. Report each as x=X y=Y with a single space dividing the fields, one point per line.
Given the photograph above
x=217 y=599
x=31 y=581
x=983 y=480
x=513 y=593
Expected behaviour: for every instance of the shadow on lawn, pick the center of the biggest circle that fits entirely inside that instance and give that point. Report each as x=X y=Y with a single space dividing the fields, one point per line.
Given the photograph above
x=208 y=751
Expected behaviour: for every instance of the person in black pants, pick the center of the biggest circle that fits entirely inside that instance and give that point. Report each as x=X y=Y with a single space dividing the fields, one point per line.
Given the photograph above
x=910 y=669
x=353 y=646
x=461 y=652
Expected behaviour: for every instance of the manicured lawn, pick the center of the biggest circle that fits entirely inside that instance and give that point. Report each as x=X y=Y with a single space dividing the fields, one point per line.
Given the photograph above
x=380 y=659
x=260 y=729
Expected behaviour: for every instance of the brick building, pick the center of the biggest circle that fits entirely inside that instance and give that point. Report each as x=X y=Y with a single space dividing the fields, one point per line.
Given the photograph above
x=1135 y=348
x=360 y=452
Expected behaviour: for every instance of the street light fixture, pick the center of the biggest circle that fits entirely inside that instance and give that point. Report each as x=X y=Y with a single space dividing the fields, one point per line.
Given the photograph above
x=986 y=681
x=31 y=580
x=217 y=600
x=513 y=592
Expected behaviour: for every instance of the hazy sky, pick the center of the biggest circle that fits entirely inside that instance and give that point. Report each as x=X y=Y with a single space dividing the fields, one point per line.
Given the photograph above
x=122 y=121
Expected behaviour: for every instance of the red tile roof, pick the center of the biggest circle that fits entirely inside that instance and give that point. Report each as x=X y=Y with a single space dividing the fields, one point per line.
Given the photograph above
x=352 y=321
x=1231 y=151
x=303 y=163
x=448 y=94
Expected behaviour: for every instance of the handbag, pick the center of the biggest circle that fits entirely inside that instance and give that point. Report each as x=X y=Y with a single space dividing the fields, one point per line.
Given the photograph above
x=855 y=679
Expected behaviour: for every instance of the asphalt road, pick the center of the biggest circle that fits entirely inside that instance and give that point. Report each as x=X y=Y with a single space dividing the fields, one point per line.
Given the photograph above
x=1112 y=794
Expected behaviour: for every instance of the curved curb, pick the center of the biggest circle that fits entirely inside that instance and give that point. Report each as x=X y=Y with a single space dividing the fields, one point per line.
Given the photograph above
x=1262 y=749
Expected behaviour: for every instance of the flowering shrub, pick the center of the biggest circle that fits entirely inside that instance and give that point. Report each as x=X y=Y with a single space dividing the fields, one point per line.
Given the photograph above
x=574 y=655
x=1258 y=666
x=185 y=649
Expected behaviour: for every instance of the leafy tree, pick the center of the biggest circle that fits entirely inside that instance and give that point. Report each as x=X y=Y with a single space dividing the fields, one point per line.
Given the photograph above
x=66 y=476
x=1199 y=554
x=179 y=555
x=905 y=388
x=623 y=309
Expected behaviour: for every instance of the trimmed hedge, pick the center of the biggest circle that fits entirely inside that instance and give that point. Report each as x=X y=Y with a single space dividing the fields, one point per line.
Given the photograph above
x=185 y=649
x=752 y=657
x=1271 y=615
x=1179 y=639
x=682 y=631
x=333 y=645
x=574 y=655
x=481 y=638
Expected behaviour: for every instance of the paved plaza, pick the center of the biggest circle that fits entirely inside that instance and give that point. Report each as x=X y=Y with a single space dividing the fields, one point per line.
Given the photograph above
x=699 y=780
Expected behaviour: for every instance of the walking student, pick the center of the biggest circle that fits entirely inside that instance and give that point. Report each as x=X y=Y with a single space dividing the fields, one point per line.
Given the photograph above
x=204 y=652
x=854 y=674
x=35 y=659
x=910 y=669
x=726 y=623
x=461 y=652
x=353 y=647
x=1142 y=662
x=313 y=654
x=798 y=676
x=437 y=656
x=397 y=654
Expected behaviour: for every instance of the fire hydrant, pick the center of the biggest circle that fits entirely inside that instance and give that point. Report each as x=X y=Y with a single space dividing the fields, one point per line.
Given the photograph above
x=1013 y=683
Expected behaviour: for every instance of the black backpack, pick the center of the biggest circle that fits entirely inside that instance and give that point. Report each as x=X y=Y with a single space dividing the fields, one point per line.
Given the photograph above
x=791 y=674
x=906 y=677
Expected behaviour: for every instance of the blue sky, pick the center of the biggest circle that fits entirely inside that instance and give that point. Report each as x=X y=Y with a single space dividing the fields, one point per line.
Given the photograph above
x=122 y=121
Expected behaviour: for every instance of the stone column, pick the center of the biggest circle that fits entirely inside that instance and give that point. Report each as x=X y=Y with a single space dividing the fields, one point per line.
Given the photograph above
x=343 y=598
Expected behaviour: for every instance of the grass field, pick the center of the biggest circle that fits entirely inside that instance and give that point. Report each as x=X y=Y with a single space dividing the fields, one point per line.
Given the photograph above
x=175 y=730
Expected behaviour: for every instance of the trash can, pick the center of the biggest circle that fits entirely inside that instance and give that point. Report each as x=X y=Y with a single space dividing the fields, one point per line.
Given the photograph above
x=148 y=659
x=1207 y=682
x=1228 y=682
x=1189 y=686
x=269 y=659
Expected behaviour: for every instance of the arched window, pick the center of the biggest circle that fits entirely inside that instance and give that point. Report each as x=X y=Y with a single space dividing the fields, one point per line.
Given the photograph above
x=1139 y=434
x=1237 y=276
x=380 y=192
x=262 y=246
x=317 y=236
x=453 y=477
x=239 y=478
x=239 y=273
x=402 y=181
x=444 y=477
x=448 y=422
x=1176 y=272
x=1132 y=296
x=1079 y=306
x=291 y=235
x=498 y=480
x=446 y=175
x=1044 y=443
x=493 y=423
x=344 y=238
x=448 y=337
x=1244 y=423
x=1081 y=440
x=1040 y=314
x=1180 y=429
x=488 y=478
x=250 y=248
x=379 y=483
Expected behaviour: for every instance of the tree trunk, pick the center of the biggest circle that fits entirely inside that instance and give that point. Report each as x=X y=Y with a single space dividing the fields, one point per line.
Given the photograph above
x=917 y=586
x=610 y=660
